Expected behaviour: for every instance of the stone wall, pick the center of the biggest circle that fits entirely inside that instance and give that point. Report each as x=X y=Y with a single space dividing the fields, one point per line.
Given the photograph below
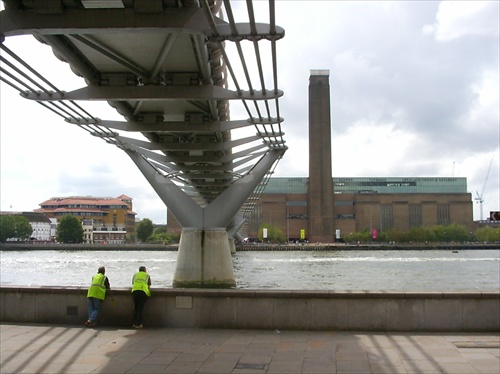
x=258 y=309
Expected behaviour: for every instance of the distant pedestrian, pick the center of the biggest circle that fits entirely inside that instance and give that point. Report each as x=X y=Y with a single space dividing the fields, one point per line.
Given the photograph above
x=96 y=295
x=141 y=282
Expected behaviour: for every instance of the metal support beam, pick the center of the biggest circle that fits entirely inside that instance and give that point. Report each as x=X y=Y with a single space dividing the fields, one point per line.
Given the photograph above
x=187 y=146
x=134 y=93
x=185 y=210
x=170 y=126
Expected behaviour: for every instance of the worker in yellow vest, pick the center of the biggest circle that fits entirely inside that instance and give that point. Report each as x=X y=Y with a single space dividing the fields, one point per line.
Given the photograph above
x=141 y=282
x=96 y=295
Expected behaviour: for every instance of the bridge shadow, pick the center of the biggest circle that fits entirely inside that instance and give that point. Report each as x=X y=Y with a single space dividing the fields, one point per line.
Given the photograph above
x=74 y=349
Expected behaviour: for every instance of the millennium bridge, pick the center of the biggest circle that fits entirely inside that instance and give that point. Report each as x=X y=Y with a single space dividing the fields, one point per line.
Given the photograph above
x=171 y=69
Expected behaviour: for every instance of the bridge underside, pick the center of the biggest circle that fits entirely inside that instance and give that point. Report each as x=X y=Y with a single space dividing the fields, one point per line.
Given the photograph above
x=170 y=69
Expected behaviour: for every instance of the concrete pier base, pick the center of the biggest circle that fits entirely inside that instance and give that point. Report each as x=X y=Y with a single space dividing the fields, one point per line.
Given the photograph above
x=204 y=259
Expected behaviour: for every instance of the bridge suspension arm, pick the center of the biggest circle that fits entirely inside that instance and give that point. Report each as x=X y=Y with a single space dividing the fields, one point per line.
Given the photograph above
x=18 y=74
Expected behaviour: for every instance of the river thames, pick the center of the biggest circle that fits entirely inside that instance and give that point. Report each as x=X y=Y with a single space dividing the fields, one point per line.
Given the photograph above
x=398 y=270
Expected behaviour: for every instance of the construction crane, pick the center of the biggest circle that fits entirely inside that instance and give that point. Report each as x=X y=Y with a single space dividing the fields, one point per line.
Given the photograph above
x=479 y=197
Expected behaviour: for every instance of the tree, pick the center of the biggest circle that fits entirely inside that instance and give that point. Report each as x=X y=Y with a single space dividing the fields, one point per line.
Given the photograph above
x=160 y=230
x=7 y=228
x=14 y=227
x=23 y=227
x=69 y=230
x=144 y=229
x=359 y=236
x=488 y=234
x=274 y=233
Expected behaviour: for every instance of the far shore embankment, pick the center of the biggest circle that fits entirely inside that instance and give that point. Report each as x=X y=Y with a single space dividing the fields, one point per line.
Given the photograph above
x=252 y=247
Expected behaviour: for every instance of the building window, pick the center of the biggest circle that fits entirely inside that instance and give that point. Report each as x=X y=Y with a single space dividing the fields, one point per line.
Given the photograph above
x=415 y=215
x=343 y=203
x=386 y=217
x=297 y=216
x=443 y=211
x=345 y=216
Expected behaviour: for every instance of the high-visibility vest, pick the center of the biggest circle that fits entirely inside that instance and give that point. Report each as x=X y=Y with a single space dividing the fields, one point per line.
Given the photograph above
x=140 y=282
x=98 y=287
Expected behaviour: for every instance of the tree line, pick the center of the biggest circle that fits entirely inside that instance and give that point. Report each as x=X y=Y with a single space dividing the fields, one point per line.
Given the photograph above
x=147 y=233
x=421 y=234
x=428 y=234
x=70 y=230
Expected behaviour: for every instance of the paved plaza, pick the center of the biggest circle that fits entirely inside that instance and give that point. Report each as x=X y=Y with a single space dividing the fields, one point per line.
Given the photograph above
x=36 y=348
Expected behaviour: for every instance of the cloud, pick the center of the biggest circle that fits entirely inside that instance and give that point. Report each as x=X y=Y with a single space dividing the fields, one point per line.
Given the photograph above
x=457 y=19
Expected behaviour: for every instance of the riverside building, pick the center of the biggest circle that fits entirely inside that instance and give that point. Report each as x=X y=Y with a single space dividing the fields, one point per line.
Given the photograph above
x=365 y=204
x=106 y=220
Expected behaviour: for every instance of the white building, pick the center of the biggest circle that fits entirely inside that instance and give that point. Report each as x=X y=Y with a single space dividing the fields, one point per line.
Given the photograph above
x=40 y=224
x=88 y=230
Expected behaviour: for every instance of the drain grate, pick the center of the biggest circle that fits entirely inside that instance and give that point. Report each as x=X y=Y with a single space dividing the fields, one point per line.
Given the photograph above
x=251 y=366
x=477 y=344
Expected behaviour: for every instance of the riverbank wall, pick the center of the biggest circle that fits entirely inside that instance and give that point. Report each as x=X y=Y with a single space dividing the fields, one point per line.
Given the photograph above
x=262 y=309
x=15 y=246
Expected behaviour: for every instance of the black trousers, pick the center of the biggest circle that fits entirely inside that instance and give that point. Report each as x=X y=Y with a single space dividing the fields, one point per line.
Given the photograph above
x=140 y=299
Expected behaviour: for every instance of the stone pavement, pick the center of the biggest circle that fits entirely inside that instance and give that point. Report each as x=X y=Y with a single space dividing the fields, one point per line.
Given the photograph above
x=36 y=348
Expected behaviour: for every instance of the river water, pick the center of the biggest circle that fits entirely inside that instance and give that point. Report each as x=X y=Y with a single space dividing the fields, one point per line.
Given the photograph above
x=426 y=270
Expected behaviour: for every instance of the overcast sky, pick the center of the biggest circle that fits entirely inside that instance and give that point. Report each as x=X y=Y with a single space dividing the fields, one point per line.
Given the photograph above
x=414 y=93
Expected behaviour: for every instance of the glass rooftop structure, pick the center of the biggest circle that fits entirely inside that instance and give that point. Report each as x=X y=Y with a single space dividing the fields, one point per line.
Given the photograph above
x=392 y=185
